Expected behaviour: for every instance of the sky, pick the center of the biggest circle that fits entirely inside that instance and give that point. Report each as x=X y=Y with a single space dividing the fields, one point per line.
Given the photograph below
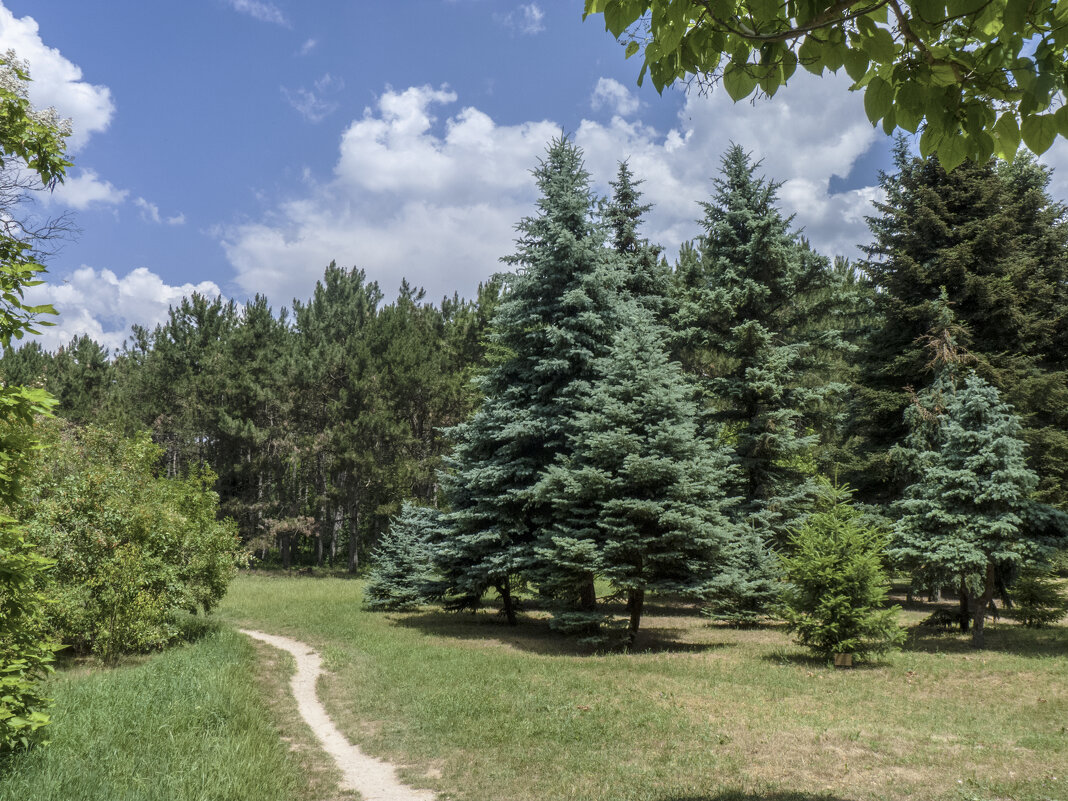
x=237 y=147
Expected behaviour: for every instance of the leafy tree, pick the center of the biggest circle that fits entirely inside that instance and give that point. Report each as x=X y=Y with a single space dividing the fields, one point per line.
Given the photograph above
x=975 y=77
x=965 y=513
x=130 y=548
x=836 y=587
x=404 y=573
x=746 y=300
x=992 y=238
x=36 y=140
x=639 y=499
x=554 y=320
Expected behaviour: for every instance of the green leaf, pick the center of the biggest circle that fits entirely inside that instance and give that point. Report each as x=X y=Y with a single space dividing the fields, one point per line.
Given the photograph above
x=739 y=81
x=880 y=46
x=952 y=151
x=878 y=99
x=1060 y=116
x=856 y=64
x=632 y=48
x=810 y=54
x=1038 y=132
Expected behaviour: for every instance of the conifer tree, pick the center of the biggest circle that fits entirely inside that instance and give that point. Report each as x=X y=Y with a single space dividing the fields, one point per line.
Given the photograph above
x=837 y=587
x=993 y=238
x=555 y=319
x=646 y=276
x=748 y=581
x=640 y=498
x=404 y=573
x=746 y=298
x=964 y=515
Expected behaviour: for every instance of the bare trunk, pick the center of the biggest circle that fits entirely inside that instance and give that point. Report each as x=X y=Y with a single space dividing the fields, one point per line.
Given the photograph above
x=505 y=591
x=635 y=603
x=936 y=595
x=354 y=543
x=965 y=611
x=980 y=607
x=588 y=596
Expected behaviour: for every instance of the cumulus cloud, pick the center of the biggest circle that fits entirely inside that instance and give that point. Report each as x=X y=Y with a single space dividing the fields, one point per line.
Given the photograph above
x=86 y=189
x=150 y=213
x=527 y=19
x=614 y=96
x=56 y=81
x=261 y=10
x=104 y=306
x=436 y=200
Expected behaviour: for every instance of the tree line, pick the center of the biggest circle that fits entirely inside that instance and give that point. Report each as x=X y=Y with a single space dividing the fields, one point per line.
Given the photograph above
x=598 y=413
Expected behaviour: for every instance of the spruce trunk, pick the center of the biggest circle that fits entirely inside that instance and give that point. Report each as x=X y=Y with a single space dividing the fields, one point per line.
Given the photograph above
x=635 y=603
x=980 y=608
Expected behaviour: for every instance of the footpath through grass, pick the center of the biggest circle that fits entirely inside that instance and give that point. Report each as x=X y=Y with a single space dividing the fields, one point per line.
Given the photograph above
x=190 y=724
x=483 y=712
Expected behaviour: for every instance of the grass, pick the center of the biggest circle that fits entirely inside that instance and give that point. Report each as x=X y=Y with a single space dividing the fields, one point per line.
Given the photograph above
x=480 y=711
x=191 y=724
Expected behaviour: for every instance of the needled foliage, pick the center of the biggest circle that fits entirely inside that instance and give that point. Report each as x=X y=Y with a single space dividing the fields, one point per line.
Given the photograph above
x=991 y=237
x=404 y=574
x=836 y=591
x=130 y=548
x=639 y=500
x=965 y=513
x=556 y=317
x=748 y=582
x=1037 y=598
x=747 y=298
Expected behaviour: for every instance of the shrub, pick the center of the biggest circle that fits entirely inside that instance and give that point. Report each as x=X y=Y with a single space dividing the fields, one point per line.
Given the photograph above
x=131 y=548
x=1037 y=598
x=837 y=587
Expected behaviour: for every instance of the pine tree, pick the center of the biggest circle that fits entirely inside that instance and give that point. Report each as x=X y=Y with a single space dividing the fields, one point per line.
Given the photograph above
x=994 y=239
x=639 y=500
x=746 y=299
x=555 y=319
x=748 y=581
x=836 y=587
x=403 y=574
x=965 y=513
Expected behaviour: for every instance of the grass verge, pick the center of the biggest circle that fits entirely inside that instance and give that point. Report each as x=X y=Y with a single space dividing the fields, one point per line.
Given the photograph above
x=190 y=724
x=482 y=712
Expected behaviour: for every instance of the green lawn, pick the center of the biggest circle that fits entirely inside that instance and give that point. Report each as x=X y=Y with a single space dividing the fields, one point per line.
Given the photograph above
x=480 y=711
x=484 y=712
x=198 y=722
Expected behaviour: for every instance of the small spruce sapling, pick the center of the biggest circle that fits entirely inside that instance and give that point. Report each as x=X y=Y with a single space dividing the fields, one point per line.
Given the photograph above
x=1038 y=599
x=404 y=574
x=836 y=587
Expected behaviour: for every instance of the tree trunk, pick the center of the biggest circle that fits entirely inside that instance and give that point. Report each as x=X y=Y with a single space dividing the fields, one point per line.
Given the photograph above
x=980 y=608
x=635 y=603
x=283 y=545
x=936 y=595
x=965 y=611
x=354 y=543
x=505 y=591
x=588 y=595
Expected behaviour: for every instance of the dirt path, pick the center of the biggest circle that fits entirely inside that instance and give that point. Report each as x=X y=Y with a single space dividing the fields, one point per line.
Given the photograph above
x=374 y=779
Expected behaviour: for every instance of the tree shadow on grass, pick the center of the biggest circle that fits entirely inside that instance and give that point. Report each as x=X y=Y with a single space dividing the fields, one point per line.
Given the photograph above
x=1009 y=638
x=534 y=635
x=807 y=660
x=738 y=795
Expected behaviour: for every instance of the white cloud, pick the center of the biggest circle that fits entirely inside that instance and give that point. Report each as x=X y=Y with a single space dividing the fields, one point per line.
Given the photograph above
x=87 y=189
x=615 y=96
x=177 y=219
x=436 y=201
x=104 y=306
x=261 y=10
x=311 y=103
x=308 y=46
x=149 y=211
x=56 y=81
x=527 y=19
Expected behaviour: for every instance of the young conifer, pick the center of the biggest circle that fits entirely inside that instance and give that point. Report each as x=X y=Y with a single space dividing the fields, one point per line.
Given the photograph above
x=835 y=597
x=640 y=500
x=404 y=574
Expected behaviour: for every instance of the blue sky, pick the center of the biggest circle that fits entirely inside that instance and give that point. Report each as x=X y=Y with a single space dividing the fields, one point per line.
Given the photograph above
x=237 y=146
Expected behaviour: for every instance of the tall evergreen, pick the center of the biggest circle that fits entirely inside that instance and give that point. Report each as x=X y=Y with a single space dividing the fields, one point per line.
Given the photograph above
x=964 y=515
x=992 y=237
x=640 y=498
x=556 y=317
x=646 y=276
x=746 y=299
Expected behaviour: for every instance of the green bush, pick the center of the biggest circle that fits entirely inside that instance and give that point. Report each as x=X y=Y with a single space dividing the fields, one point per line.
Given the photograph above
x=131 y=548
x=1038 y=599
x=836 y=585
